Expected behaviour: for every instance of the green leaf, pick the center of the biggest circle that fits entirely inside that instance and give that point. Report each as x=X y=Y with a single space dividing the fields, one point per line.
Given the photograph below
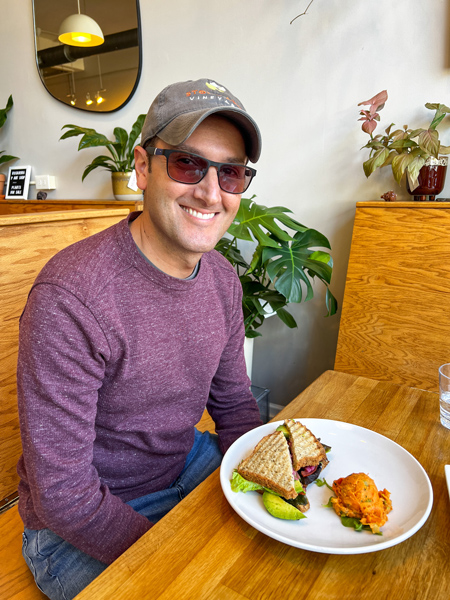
x=441 y=111
x=4 y=112
x=331 y=303
x=226 y=247
x=294 y=266
x=413 y=170
x=287 y=318
x=322 y=257
x=376 y=161
x=415 y=132
x=438 y=107
x=356 y=524
x=251 y=333
x=402 y=144
x=239 y=484
x=120 y=144
x=399 y=165
x=75 y=130
x=311 y=237
x=429 y=142
x=6 y=158
x=100 y=161
x=92 y=140
x=134 y=134
x=255 y=221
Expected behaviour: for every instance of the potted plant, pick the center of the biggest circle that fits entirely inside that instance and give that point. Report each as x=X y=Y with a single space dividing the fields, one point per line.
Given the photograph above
x=283 y=264
x=406 y=150
x=4 y=158
x=121 y=149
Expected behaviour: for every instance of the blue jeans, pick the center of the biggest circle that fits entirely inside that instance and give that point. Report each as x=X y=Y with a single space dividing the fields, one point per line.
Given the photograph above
x=61 y=571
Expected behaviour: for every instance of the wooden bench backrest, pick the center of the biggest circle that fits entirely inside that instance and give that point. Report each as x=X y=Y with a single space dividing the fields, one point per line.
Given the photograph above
x=395 y=322
x=27 y=242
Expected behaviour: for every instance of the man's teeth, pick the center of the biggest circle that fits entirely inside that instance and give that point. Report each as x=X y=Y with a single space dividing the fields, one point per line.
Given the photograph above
x=199 y=215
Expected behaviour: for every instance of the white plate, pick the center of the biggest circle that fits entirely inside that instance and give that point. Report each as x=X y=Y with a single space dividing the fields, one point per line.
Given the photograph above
x=447 y=475
x=354 y=450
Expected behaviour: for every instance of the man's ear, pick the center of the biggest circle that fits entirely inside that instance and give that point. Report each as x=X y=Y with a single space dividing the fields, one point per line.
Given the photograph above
x=141 y=167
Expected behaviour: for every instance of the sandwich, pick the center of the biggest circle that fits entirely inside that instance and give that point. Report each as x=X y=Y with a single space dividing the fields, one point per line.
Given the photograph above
x=270 y=466
x=283 y=463
x=308 y=454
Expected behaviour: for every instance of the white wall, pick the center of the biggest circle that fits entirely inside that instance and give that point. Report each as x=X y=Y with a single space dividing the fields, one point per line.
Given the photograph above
x=301 y=82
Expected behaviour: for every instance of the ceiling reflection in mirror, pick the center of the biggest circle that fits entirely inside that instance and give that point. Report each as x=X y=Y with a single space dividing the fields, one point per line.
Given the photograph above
x=100 y=78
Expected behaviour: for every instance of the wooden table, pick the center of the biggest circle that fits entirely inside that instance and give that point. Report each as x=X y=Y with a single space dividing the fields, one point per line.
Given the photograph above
x=203 y=549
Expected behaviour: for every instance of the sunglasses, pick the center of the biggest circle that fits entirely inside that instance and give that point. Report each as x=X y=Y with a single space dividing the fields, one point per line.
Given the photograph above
x=189 y=168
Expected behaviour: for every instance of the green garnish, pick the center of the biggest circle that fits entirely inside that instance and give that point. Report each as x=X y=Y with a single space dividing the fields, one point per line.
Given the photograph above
x=322 y=482
x=357 y=525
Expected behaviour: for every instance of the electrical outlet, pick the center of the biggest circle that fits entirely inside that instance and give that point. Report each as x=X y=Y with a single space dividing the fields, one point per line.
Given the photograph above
x=45 y=182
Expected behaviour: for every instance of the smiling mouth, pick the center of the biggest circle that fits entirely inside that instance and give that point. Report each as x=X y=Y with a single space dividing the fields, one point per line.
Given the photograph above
x=198 y=215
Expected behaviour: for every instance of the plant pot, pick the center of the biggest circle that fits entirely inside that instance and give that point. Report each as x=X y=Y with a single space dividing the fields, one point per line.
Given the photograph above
x=431 y=179
x=248 y=353
x=121 y=190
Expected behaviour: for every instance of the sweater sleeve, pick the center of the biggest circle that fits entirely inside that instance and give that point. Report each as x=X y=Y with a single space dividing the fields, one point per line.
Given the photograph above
x=231 y=403
x=61 y=365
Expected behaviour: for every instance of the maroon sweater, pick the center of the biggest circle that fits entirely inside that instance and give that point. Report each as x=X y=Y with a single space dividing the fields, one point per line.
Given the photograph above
x=117 y=362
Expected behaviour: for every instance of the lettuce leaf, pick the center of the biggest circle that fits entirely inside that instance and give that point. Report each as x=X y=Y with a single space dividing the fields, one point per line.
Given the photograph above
x=357 y=525
x=239 y=484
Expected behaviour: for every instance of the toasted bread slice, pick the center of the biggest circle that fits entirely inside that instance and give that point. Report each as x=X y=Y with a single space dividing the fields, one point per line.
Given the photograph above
x=306 y=449
x=270 y=465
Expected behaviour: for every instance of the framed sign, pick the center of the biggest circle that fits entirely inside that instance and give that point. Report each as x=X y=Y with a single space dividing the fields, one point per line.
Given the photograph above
x=18 y=183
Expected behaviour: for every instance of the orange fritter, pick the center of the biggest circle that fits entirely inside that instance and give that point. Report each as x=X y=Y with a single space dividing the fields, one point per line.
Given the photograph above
x=357 y=496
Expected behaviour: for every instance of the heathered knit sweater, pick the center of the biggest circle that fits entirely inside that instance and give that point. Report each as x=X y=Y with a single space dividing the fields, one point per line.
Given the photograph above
x=117 y=362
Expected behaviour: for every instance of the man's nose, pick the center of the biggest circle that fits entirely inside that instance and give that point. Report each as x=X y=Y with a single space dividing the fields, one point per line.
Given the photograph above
x=208 y=189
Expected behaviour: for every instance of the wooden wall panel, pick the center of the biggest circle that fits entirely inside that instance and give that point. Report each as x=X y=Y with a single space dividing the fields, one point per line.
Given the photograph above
x=27 y=242
x=395 y=322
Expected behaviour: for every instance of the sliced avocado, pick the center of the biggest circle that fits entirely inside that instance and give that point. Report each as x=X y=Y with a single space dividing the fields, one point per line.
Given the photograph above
x=283 y=429
x=280 y=509
x=298 y=487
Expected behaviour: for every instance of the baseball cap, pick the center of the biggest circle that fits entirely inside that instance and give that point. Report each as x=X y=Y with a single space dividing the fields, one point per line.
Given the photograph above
x=180 y=108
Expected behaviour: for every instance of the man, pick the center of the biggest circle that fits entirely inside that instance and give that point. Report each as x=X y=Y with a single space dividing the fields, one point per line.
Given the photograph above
x=126 y=337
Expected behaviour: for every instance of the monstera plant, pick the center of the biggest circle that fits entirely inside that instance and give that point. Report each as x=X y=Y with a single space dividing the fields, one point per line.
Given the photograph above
x=283 y=263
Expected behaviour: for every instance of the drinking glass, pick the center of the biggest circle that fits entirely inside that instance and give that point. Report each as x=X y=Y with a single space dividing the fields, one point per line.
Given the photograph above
x=444 y=394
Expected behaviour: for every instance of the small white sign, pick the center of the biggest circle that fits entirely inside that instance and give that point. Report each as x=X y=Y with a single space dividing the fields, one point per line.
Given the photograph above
x=18 y=183
x=132 y=184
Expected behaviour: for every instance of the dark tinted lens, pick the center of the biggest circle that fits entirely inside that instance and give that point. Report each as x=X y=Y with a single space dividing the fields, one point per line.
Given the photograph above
x=186 y=168
x=234 y=179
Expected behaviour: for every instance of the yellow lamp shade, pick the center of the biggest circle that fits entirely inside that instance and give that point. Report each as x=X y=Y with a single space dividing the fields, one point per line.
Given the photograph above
x=80 y=30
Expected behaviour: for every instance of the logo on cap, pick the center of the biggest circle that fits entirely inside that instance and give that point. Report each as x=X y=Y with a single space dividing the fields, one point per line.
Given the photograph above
x=215 y=86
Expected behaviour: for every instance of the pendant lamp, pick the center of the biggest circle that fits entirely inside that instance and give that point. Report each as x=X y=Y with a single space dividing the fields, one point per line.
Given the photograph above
x=80 y=30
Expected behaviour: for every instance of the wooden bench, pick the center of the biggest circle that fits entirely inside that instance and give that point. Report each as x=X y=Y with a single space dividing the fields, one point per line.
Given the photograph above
x=27 y=242
x=395 y=322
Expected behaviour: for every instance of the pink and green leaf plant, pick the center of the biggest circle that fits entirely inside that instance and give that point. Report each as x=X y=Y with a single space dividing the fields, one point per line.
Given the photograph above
x=406 y=150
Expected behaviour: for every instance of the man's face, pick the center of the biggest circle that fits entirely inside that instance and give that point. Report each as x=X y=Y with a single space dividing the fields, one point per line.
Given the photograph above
x=183 y=221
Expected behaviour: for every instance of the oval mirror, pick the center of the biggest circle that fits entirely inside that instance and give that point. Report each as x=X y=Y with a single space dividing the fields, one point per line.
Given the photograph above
x=100 y=78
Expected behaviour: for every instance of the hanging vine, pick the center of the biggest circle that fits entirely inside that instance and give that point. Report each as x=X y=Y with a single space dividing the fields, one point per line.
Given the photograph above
x=303 y=13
